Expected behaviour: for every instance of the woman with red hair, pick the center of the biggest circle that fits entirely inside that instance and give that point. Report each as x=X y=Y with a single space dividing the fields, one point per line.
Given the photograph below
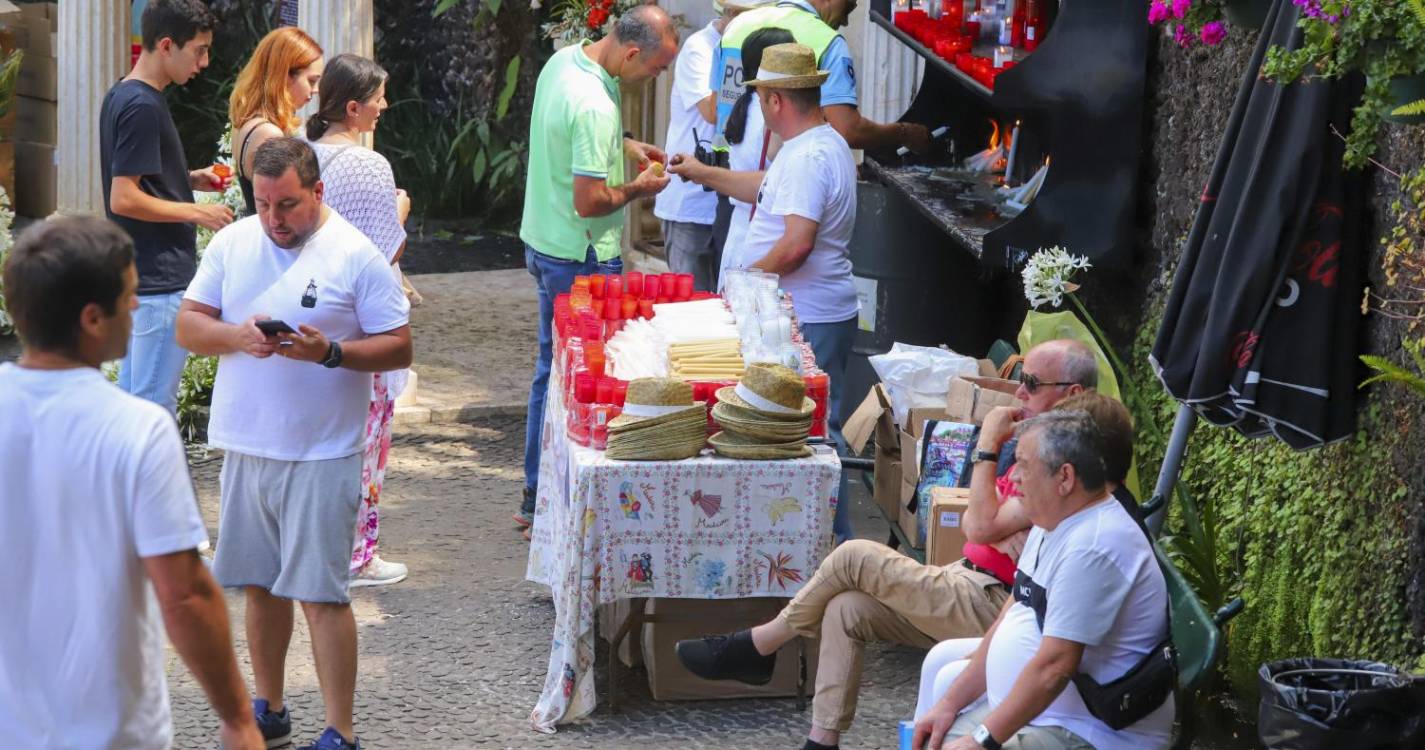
x=279 y=79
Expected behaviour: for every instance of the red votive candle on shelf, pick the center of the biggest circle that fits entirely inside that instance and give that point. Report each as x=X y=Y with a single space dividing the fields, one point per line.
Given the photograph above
x=685 y=286
x=613 y=287
x=620 y=392
x=650 y=286
x=613 y=308
x=633 y=283
x=596 y=306
x=629 y=308
x=596 y=286
x=604 y=391
x=645 y=308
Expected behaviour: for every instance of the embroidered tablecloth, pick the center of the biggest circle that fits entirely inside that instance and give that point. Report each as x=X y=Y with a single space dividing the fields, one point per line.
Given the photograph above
x=701 y=528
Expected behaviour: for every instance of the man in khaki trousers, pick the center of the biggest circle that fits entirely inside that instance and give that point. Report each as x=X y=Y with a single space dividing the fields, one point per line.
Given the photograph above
x=865 y=591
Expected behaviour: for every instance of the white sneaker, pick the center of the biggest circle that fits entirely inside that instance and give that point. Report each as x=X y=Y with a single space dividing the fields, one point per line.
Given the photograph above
x=379 y=572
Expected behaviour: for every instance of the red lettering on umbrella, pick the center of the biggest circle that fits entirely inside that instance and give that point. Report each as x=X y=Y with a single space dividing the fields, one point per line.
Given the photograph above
x=1244 y=348
x=1318 y=264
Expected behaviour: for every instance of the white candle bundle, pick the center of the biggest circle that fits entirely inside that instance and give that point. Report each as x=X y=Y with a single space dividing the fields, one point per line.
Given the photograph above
x=637 y=351
x=692 y=322
x=1020 y=197
x=986 y=160
x=696 y=332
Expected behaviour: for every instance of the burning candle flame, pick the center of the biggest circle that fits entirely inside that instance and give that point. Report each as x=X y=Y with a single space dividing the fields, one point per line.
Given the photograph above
x=994 y=136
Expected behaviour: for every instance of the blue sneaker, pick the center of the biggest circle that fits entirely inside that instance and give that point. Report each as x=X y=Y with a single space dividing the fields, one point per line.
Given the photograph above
x=332 y=740
x=276 y=728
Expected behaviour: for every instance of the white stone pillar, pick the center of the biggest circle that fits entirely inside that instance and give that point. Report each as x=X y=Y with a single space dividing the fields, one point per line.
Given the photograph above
x=339 y=26
x=94 y=39
x=888 y=74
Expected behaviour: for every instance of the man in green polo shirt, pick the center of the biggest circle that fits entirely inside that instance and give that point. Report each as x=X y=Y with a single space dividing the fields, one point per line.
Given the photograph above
x=575 y=189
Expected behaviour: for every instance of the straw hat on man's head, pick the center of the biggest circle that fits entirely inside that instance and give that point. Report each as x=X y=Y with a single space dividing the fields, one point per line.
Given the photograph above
x=788 y=66
x=770 y=391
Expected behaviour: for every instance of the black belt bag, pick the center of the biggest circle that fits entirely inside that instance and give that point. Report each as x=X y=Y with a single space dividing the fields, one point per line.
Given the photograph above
x=1128 y=699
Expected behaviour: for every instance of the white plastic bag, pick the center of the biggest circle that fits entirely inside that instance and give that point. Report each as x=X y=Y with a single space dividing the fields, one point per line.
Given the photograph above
x=919 y=376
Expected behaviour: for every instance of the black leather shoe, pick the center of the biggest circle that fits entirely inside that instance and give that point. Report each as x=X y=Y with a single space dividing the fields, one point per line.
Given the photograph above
x=727 y=657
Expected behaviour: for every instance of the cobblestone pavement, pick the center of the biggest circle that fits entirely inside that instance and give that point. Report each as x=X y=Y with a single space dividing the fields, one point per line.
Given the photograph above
x=475 y=341
x=454 y=657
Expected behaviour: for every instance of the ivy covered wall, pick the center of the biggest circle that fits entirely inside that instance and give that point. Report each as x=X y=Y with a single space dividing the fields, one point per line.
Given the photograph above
x=1326 y=545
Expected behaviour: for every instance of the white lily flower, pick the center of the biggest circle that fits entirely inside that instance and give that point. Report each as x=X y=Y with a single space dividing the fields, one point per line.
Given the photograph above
x=1048 y=276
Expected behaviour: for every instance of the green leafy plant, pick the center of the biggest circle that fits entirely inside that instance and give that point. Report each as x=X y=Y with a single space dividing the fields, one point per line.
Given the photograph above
x=6 y=217
x=195 y=396
x=1389 y=372
x=452 y=165
x=1383 y=39
x=1318 y=542
x=9 y=76
x=1195 y=550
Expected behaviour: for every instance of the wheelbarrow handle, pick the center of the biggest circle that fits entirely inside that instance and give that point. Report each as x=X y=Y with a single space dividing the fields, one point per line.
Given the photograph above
x=1231 y=610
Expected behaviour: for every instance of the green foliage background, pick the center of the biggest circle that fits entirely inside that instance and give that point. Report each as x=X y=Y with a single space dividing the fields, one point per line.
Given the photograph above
x=1316 y=542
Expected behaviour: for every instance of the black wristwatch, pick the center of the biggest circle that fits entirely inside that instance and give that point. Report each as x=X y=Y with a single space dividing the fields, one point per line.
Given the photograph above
x=982 y=735
x=980 y=455
x=333 y=358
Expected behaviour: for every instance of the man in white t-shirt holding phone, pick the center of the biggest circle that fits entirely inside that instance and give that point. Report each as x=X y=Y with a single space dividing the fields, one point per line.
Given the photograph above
x=804 y=211
x=289 y=410
x=101 y=524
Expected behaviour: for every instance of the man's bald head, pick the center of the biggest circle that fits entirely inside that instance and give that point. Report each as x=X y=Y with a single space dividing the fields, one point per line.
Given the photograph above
x=649 y=40
x=1055 y=370
x=1076 y=361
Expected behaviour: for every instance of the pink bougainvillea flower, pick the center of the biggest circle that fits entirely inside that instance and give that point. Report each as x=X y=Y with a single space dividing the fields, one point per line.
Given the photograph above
x=1180 y=8
x=1182 y=37
x=1157 y=12
x=1213 y=33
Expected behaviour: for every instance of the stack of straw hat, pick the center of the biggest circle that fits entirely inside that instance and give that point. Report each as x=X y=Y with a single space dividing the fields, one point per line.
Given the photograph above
x=660 y=422
x=765 y=416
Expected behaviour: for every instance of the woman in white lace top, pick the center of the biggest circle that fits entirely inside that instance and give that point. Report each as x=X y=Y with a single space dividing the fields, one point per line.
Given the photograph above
x=360 y=186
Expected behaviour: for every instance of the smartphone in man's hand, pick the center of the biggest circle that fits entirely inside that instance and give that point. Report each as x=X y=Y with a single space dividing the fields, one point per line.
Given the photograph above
x=273 y=327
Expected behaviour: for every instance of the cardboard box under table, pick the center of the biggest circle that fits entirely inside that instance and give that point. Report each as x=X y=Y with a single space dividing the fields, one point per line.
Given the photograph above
x=658 y=624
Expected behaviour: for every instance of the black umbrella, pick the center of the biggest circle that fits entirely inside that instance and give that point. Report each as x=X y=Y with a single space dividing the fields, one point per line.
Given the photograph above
x=1260 y=328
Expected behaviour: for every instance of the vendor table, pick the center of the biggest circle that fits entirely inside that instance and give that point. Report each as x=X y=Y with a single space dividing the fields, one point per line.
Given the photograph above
x=700 y=528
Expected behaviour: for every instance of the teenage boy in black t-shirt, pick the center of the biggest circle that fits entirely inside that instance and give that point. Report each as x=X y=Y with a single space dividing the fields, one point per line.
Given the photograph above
x=148 y=189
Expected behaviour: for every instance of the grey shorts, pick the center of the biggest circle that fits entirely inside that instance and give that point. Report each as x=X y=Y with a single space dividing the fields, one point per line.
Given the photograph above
x=286 y=526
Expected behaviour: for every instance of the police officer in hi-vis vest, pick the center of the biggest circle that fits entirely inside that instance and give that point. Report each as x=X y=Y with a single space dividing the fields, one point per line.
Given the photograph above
x=814 y=24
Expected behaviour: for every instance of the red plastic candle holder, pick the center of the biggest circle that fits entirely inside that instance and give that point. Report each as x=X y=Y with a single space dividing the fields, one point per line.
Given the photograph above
x=633 y=283
x=596 y=286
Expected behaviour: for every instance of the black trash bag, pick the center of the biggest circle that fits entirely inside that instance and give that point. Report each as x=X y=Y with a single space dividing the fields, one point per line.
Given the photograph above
x=1311 y=704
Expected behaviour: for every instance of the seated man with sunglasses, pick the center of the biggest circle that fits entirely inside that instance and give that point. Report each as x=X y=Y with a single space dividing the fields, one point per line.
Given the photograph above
x=865 y=591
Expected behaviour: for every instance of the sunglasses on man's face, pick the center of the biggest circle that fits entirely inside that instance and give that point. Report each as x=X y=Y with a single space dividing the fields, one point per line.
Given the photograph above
x=1032 y=383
